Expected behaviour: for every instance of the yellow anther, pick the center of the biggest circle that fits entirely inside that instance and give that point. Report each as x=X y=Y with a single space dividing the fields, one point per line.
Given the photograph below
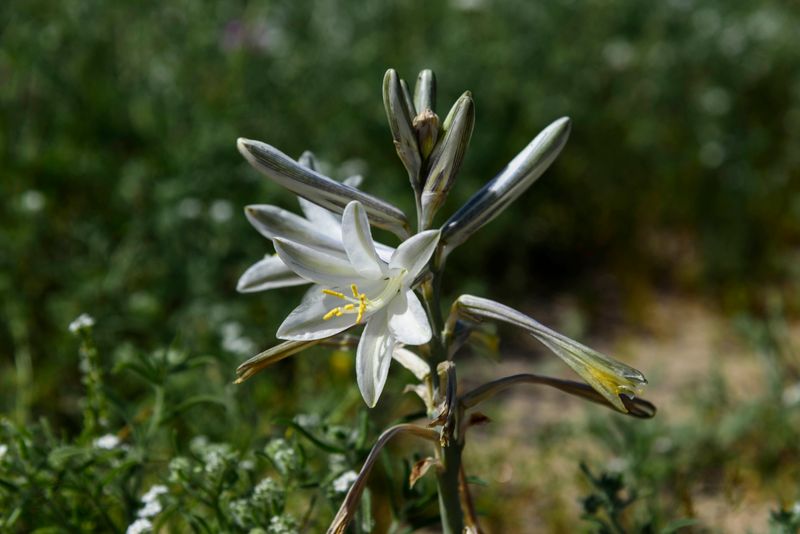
x=362 y=307
x=358 y=299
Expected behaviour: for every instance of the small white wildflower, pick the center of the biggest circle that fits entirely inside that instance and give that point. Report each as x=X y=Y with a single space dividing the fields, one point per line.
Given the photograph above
x=282 y=524
x=796 y=509
x=283 y=455
x=84 y=320
x=240 y=510
x=107 y=442
x=344 y=481
x=306 y=420
x=32 y=200
x=190 y=208
x=140 y=526
x=153 y=493
x=269 y=495
x=179 y=469
x=3 y=450
x=247 y=465
x=150 y=509
x=221 y=211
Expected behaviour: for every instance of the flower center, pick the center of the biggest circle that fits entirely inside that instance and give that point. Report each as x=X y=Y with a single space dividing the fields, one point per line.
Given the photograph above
x=359 y=303
x=356 y=304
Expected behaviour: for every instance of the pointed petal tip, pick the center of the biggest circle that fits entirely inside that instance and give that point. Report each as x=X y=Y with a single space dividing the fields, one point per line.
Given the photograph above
x=243 y=144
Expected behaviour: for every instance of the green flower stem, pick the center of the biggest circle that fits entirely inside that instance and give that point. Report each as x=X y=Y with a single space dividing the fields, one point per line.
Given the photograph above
x=449 y=496
x=448 y=475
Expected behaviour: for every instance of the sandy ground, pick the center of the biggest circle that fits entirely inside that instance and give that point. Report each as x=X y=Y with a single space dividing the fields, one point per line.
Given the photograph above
x=534 y=490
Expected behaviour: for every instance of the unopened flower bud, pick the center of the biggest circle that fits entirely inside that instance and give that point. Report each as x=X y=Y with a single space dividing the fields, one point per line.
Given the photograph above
x=446 y=159
x=399 y=114
x=425 y=91
x=426 y=124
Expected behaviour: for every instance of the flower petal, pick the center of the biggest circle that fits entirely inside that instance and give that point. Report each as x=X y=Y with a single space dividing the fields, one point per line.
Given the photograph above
x=324 y=221
x=317 y=188
x=373 y=356
x=358 y=244
x=317 y=265
x=268 y=273
x=407 y=319
x=272 y=222
x=306 y=321
x=412 y=362
x=414 y=253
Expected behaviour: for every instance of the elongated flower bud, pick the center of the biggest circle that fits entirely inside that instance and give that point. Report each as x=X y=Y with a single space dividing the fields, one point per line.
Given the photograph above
x=320 y=189
x=447 y=157
x=510 y=183
x=403 y=134
x=607 y=376
x=425 y=91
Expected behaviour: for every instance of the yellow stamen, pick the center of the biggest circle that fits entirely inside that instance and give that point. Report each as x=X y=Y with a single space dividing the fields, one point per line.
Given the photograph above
x=358 y=299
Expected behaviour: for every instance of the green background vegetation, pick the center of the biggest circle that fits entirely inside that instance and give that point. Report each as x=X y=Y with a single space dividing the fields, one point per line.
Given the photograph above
x=121 y=190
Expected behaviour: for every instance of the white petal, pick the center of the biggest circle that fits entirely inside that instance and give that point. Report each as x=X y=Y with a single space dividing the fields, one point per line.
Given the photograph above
x=306 y=321
x=358 y=243
x=324 y=221
x=385 y=252
x=373 y=356
x=414 y=253
x=353 y=181
x=316 y=265
x=412 y=362
x=268 y=273
x=272 y=222
x=407 y=320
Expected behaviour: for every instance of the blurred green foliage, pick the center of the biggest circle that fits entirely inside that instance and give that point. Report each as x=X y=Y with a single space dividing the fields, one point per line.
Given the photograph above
x=121 y=189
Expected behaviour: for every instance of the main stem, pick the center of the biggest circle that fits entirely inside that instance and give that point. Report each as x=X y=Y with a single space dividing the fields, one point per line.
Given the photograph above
x=448 y=473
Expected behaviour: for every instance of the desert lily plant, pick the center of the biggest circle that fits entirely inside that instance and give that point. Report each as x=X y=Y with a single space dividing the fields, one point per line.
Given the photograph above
x=390 y=297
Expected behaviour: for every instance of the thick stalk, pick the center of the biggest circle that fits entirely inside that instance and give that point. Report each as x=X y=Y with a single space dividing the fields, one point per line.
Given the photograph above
x=449 y=497
x=448 y=475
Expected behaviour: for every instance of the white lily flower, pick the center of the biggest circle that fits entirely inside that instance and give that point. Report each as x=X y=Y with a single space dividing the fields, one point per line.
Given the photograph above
x=357 y=286
x=318 y=227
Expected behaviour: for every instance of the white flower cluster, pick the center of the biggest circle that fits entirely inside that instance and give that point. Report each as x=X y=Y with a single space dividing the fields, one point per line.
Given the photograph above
x=151 y=507
x=140 y=526
x=344 y=481
x=150 y=500
x=283 y=455
x=3 y=450
x=282 y=524
x=84 y=320
x=107 y=442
